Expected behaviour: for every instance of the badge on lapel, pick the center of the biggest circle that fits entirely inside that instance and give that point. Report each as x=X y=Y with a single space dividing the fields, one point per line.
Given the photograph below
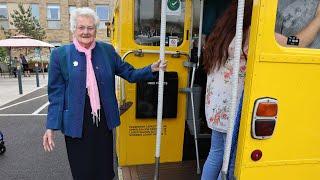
x=75 y=63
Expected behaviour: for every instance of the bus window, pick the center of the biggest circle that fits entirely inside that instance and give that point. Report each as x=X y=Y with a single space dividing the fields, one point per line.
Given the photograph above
x=147 y=19
x=298 y=23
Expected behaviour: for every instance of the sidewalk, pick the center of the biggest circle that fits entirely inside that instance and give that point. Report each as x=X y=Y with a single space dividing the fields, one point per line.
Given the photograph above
x=9 y=88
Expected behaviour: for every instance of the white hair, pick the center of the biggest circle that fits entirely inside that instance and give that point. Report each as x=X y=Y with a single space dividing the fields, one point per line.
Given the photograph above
x=84 y=11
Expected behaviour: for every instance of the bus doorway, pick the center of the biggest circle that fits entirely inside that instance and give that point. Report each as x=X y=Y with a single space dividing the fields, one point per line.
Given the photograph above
x=211 y=13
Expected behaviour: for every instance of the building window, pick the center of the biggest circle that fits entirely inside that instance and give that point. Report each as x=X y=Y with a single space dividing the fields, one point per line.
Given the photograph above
x=103 y=14
x=35 y=10
x=72 y=8
x=3 y=11
x=4 y=16
x=53 y=16
x=294 y=17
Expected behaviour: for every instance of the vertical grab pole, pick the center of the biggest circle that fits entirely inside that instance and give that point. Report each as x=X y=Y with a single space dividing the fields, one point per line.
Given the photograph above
x=235 y=76
x=160 y=86
x=200 y=32
x=191 y=87
x=194 y=118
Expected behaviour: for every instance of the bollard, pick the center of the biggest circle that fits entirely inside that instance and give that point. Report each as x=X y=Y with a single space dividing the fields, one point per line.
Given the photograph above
x=37 y=74
x=19 y=79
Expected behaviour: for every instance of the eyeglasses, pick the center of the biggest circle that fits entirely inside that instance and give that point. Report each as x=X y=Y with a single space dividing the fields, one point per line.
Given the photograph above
x=89 y=28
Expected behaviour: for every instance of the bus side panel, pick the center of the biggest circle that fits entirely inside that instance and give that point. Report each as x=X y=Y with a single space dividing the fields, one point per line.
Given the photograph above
x=290 y=75
x=295 y=143
x=305 y=171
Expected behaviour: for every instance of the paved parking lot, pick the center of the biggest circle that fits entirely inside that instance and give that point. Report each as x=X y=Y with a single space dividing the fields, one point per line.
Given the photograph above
x=9 y=89
x=22 y=122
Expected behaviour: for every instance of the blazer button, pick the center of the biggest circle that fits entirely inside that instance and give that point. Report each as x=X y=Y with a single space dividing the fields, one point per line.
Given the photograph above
x=97 y=67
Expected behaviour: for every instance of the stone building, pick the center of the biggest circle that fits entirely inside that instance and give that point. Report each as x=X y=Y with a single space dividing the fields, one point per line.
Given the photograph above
x=54 y=16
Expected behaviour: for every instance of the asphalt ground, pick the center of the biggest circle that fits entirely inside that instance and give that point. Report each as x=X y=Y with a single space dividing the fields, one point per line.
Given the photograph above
x=22 y=121
x=25 y=157
x=23 y=127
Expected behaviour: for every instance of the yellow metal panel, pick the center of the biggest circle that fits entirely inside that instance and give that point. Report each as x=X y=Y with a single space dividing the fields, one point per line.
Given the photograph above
x=282 y=172
x=291 y=76
x=140 y=148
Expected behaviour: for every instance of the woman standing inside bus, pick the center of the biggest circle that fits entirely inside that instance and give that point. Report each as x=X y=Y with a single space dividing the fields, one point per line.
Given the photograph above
x=218 y=60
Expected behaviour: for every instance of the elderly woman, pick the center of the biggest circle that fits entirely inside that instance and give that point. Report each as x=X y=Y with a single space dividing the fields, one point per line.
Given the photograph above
x=82 y=97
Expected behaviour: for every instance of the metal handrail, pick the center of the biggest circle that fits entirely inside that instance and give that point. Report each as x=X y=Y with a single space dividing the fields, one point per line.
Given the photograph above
x=140 y=52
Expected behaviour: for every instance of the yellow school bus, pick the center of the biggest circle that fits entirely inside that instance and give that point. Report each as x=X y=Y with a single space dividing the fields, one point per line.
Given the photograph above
x=284 y=144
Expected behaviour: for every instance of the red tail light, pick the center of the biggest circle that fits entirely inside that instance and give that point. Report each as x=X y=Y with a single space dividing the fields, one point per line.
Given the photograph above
x=256 y=155
x=264 y=118
x=264 y=127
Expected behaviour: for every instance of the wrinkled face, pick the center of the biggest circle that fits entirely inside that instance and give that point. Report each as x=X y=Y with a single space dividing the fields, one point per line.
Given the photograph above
x=85 y=31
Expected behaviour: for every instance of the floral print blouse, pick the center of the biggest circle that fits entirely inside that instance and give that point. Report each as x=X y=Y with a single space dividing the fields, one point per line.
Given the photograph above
x=218 y=92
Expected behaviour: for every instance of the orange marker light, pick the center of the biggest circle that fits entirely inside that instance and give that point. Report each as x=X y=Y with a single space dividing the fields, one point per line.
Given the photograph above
x=267 y=109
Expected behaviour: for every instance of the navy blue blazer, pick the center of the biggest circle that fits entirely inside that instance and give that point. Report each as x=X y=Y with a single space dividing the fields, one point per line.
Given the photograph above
x=67 y=85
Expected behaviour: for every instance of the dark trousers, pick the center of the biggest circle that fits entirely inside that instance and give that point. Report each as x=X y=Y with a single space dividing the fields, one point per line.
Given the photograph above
x=91 y=157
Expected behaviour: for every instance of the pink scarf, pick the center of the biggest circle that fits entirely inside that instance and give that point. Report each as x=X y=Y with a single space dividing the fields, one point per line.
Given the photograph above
x=91 y=82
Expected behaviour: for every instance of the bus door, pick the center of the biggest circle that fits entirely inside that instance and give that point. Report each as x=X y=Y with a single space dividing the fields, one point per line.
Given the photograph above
x=279 y=131
x=138 y=34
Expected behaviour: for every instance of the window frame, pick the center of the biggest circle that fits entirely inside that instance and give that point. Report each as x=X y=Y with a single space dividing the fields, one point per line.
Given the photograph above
x=108 y=13
x=32 y=5
x=290 y=32
x=70 y=7
x=54 y=6
x=168 y=38
x=57 y=21
x=4 y=6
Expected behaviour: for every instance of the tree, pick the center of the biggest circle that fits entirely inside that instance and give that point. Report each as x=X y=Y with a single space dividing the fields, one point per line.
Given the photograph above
x=26 y=23
x=3 y=51
x=3 y=54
